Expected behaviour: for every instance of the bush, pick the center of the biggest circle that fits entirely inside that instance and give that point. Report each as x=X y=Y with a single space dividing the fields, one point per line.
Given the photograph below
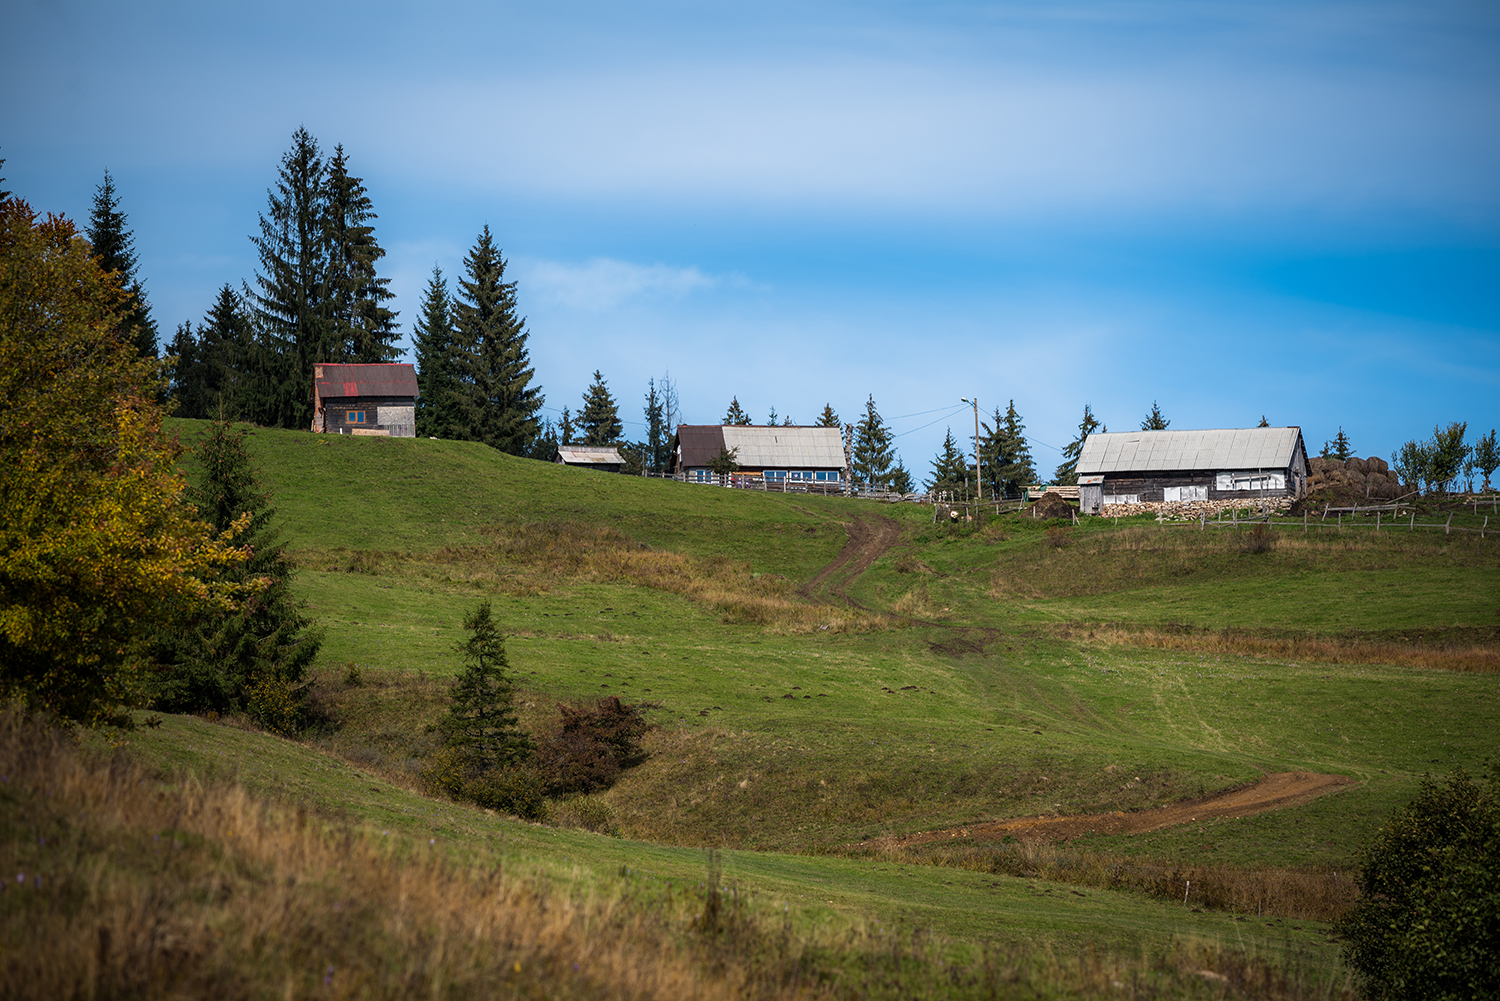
x=1057 y=536
x=1427 y=924
x=1260 y=539
x=592 y=742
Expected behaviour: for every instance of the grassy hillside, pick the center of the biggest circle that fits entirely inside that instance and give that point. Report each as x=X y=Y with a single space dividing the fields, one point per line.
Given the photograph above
x=991 y=671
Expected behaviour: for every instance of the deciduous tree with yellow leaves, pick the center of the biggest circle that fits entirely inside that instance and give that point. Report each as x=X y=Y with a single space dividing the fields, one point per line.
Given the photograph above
x=97 y=542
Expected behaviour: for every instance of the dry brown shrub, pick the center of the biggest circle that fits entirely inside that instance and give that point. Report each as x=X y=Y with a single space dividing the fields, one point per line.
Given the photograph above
x=1057 y=537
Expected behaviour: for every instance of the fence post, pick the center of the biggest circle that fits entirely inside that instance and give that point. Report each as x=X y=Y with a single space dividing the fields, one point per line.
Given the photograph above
x=1412 y=527
x=1449 y=523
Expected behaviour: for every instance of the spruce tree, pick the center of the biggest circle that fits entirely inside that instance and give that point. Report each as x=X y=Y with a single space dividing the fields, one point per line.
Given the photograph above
x=438 y=380
x=771 y=417
x=1339 y=448
x=1006 y=454
x=1067 y=473
x=828 y=419
x=658 y=434
x=873 y=450
x=1263 y=422
x=364 y=330
x=481 y=723
x=949 y=467
x=1155 y=420
x=901 y=479
x=567 y=431
x=499 y=404
x=735 y=416
x=189 y=380
x=114 y=246
x=291 y=307
x=255 y=659
x=600 y=416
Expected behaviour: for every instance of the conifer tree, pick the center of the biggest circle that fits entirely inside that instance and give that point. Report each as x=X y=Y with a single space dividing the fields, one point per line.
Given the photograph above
x=567 y=431
x=949 y=467
x=1005 y=454
x=254 y=659
x=499 y=406
x=828 y=419
x=481 y=723
x=211 y=375
x=114 y=246
x=600 y=417
x=1263 y=422
x=1067 y=473
x=771 y=417
x=290 y=307
x=438 y=382
x=735 y=416
x=901 y=479
x=364 y=330
x=1339 y=448
x=873 y=451
x=658 y=433
x=1155 y=420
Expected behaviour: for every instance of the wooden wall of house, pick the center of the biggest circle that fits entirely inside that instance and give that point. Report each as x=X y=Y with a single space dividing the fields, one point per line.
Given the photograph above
x=1149 y=487
x=335 y=412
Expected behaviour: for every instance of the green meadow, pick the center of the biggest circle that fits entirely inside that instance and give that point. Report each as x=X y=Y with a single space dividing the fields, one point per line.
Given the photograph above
x=986 y=671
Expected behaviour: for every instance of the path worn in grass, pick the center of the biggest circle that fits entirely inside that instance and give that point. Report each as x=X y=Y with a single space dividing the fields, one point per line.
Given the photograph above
x=1274 y=792
x=869 y=539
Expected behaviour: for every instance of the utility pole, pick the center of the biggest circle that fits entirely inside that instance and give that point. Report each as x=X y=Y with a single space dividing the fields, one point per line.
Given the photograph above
x=978 y=480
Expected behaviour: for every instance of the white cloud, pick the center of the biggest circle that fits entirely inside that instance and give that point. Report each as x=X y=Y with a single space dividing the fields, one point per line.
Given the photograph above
x=604 y=283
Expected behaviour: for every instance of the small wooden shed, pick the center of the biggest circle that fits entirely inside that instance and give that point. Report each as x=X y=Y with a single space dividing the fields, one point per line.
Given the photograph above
x=605 y=458
x=365 y=399
x=1155 y=467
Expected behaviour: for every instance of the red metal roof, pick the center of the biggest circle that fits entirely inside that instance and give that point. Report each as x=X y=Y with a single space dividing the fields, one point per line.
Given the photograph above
x=334 y=381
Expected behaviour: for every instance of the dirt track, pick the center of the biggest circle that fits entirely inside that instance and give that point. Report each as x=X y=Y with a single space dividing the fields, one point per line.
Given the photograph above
x=1275 y=791
x=869 y=538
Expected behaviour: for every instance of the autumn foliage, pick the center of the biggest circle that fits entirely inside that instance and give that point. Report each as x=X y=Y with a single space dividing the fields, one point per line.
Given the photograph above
x=96 y=539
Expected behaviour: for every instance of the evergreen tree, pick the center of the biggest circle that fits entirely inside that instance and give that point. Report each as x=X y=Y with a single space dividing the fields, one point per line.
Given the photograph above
x=544 y=446
x=600 y=416
x=500 y=405
x=873 y=450
x=363 y=329
x=671 y=412
x=1067 y=473
x=786 y=421
x=901 y=479
x=290 y=307
x=658 y=446
x=828 y=419
x=188 y=388
x=771 y=418
x=567 y=431
x=1155 y=420
x=1339 y=448
x=480 y=722
x=114 y=246
x=1263 y=422
x=949 y=467
x=735 y=416
x=4 y=195
x=438 y=380
x=255 y=659
x=209 y=379
x=1006 y=455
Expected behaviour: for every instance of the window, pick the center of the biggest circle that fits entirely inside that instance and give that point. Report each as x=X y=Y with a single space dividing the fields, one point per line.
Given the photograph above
x=829 y=475
x=1184 y=493
x=1250 y=481
x=775 y=474
x=1122 y=499
x=354 y=417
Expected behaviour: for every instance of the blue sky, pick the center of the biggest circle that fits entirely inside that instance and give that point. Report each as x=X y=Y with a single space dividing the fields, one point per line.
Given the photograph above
x=1288 y=209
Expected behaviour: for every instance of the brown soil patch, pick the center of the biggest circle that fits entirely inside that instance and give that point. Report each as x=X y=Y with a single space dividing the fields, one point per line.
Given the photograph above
x=1274 y=792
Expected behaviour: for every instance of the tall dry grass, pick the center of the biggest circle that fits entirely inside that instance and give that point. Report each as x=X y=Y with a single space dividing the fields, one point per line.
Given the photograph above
x=119 y=883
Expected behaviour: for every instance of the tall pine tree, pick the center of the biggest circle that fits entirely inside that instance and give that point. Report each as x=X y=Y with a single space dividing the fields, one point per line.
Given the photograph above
x=439 y=379
x=658 y=432
x=950 y=468
x=364 y=330
x=114 y=247
x=1006 y=455
x=210 y=379
x=600 y=416
x=1067 y=473
x=499 y=404
x=873 y=449
x=290 y=307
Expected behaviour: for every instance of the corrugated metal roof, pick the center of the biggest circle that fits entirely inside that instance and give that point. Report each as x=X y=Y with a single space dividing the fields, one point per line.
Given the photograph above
x=334 y=381
x=1167 y=451
x=589 y=455
x=787 y=447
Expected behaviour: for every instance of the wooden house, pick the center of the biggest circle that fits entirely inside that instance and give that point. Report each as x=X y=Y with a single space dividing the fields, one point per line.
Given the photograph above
x=604 y=458
x=777 y=455
x=365 y=399
x=1152 y=467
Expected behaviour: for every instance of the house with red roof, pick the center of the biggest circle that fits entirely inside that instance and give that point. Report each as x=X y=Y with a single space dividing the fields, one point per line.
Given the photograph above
x=365 y=400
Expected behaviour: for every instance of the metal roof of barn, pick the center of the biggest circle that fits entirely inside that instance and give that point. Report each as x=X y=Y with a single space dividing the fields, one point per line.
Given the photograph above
x=786 y=447
x=699 y=443
x=589 y=455
x=1171 y=451
x=331 y=382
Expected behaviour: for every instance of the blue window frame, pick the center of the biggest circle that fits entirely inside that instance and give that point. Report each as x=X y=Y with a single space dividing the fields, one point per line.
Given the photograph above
x=775 y=474
x=355 y=417
x=831 y=475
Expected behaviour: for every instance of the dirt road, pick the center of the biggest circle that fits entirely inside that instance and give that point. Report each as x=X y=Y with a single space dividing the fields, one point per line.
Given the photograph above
x=1274 y=792
x=869 y=538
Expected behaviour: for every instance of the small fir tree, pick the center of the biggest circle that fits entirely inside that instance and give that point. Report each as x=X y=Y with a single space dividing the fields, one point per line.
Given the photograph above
x=948 y=467
x=1006 y=454
x=873 y=449
x=1263 y=422
x=828 y=419
x=567 y=431
x=480 y=724
x=1339 y=448
x=1067 y=473
x=735 y=416
x=1155 y=420
x=901 y=479
x=600 y=416
x=771 y=417
x=114 y=247
x=658 y=444
x=726 y=461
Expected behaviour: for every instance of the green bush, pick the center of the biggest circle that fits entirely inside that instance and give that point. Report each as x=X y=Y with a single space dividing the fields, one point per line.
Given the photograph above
x=1427 y=924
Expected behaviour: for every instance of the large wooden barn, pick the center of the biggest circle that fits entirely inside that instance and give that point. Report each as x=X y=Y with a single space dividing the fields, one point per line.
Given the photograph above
x=779 y=455
x=1152 y=467
x=365 y=399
